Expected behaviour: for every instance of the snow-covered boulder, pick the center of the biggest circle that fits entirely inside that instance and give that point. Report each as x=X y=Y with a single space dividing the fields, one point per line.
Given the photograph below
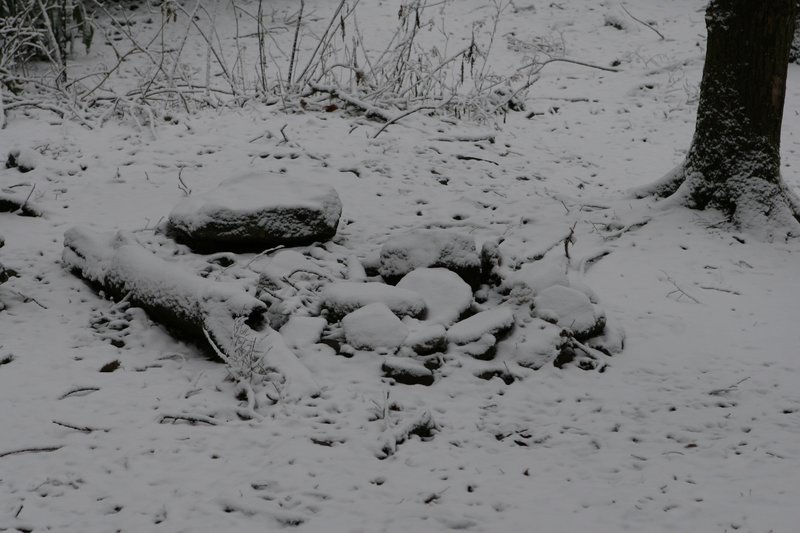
x=374 y=326
x=341 y=298
x=430 y=248
x=255 y=211
x=540 y=344
x=427 y=339
x=407 y=371
x=446 y=295
x=533 y=278
x=492 y=322
x=571 y=309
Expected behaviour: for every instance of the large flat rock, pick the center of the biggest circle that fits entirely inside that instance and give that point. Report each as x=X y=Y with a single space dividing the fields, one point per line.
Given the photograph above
x=255 y=211
x=430 y=248
x=341 y=298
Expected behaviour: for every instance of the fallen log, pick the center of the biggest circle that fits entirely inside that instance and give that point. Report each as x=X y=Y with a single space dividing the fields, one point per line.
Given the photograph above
x=193 y=308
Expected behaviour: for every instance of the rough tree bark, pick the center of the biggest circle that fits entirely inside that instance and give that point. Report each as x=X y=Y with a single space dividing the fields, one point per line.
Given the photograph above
x=733 y=163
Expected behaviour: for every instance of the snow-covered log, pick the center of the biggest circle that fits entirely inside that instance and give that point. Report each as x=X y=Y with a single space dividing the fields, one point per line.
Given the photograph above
x=190 y=306
x=182 y=302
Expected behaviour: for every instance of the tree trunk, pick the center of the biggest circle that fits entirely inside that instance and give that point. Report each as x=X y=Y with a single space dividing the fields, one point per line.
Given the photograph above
x=733 y=163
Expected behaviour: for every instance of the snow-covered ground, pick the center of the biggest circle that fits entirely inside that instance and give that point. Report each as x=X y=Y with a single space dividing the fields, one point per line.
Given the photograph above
x=695 y=426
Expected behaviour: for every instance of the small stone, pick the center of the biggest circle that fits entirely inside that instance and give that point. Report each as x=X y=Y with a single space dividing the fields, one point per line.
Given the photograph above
x=573 y=311
x=430 y=248
x=427 y=340
x=611 y=342
x=374 y=326
x=341 y=298
x=493 y=322
x=483 y=348
x=407 y=371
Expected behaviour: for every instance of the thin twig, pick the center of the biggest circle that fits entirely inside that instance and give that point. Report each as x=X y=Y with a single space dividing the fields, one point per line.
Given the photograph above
x=564 y=60
x=720 y=289
x=249 y=413
x=322 y=39
x=679 y=290
x=590 y=261
x=42 y=449
x=79 y=390
x=192 y=419
x=294 y=43
x=731 y=388
x=569 y=239
x=403 y=115
x=642 y=22
x=466 y=137
x=82 y=429
x=26 y=299
x=369 y=109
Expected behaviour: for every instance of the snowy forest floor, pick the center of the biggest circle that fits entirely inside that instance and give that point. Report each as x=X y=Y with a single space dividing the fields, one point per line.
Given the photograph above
x=695 y=426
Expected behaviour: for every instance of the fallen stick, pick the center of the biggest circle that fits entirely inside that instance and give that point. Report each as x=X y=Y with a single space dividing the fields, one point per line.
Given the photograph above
x=42 y=449
x=369 y=109
x=191 y=419
x=82 y=429
x=80 y=391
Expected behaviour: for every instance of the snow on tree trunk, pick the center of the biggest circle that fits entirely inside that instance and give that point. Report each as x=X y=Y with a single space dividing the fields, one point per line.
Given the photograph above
x=733 y=163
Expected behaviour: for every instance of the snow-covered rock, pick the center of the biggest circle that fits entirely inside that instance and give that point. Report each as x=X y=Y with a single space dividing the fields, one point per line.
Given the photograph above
x=611 y=342
x=491 y=263
x=344 y=297
x=430 y=248
x=407 y=371
x=482 y=348
x=540 y=344
x=446 y=295
x=23 y=160
x=492 y=322
x=255 y=211
x=533 y=278
x=303 y=330
x=374 y=326
x=569 y=308
x=427 y=339
x=6 y=273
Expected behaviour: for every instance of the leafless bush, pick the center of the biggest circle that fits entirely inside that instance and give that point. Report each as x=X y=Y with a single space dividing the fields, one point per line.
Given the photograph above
x=412 y=69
